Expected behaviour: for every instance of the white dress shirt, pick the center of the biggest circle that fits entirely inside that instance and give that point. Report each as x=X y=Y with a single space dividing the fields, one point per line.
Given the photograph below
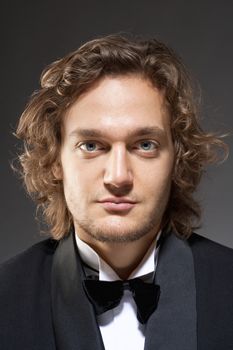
x=119 y=327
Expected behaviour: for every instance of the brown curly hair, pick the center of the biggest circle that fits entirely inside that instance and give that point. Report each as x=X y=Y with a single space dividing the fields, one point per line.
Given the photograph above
x=64 y=80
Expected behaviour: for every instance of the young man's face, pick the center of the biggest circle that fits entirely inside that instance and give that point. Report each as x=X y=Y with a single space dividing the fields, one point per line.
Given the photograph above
x=117 y=159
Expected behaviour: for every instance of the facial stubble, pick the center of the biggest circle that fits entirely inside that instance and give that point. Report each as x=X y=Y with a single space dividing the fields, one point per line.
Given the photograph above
x=120 y=233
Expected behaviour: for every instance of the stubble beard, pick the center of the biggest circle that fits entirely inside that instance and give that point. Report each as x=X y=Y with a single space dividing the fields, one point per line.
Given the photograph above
x=120 y=234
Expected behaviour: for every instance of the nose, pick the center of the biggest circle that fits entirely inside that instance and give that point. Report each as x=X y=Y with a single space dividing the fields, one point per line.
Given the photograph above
x=117 y=169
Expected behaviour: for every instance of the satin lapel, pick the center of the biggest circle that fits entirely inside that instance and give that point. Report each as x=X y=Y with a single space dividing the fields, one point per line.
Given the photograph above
x=74 y=320
x=173 y=324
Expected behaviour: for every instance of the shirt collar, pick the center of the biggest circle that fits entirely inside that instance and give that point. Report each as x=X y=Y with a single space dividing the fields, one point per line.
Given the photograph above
x=106 y=273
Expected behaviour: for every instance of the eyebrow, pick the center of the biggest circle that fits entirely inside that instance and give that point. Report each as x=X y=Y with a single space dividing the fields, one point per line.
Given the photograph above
x=144 y=131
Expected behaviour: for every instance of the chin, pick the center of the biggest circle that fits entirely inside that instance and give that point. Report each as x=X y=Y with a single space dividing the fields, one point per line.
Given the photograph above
x=116 y=229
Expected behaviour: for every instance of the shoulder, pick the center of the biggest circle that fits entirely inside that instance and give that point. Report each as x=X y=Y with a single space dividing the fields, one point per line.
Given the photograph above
x=205 y=248
x=213 y=268
x=213 y=262
x=27 y=264
x=25 y=281
x=25 y=298
x=38 y=251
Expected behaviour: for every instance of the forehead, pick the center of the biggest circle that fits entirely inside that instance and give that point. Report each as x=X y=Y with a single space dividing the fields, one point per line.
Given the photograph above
x=118 y=105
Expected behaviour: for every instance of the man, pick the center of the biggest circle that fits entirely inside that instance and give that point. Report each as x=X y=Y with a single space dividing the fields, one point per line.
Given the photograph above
x=113 y=155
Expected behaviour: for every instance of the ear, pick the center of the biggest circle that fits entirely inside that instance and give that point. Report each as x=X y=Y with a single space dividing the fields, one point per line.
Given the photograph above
x=57 y=171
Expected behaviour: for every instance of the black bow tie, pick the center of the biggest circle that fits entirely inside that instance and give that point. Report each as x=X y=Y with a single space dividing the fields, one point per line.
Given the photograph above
x=106 y=295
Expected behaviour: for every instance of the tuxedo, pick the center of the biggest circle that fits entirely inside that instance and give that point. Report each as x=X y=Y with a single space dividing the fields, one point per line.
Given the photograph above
x=43 y=304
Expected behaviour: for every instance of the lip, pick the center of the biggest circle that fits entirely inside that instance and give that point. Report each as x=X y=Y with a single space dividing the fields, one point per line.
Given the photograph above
x=117 y=204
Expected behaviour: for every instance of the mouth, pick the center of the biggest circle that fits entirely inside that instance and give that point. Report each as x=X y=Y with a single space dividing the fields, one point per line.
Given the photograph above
x=117 y=204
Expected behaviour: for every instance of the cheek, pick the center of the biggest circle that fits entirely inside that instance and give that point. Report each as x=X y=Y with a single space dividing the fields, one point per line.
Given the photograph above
x=156 y=180
x=158 y=185
x=79 y=183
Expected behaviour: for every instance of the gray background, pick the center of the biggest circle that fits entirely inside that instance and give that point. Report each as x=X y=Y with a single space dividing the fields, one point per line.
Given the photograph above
x=36 y=33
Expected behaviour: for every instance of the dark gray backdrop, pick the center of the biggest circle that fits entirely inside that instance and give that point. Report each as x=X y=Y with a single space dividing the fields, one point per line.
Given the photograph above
x=36 y=33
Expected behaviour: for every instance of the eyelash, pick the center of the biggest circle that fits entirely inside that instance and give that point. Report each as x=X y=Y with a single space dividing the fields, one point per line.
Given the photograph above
x=155 y=145
x=88 y=142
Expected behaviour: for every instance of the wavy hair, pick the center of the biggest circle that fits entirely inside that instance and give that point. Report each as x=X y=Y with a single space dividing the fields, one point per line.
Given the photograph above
x=67 y=78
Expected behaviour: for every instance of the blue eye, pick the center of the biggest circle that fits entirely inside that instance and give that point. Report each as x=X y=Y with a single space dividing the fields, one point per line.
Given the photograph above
x=147 y=145
x=89 y=146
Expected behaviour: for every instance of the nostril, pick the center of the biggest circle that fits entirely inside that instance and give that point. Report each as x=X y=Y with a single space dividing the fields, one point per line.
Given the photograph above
x=119 y=181
x=118 y=177
x=119 y=191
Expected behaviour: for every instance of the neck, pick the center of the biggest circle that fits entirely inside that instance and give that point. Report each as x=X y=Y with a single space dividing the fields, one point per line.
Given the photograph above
x=122 y=257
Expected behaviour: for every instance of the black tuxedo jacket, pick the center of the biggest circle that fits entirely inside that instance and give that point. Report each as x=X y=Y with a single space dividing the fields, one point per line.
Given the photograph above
x=43 y=305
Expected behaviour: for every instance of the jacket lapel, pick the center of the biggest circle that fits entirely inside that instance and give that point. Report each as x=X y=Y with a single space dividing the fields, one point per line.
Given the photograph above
x=74 y=320
x=173 y=324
